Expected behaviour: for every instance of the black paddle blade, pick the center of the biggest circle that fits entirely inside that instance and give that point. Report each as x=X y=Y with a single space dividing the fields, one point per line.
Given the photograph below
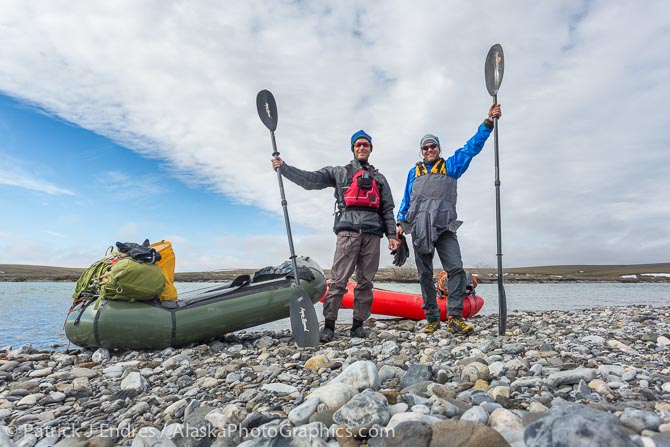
x=494 y=67
x=267 y=109
x=502 y=321
x=304 y=322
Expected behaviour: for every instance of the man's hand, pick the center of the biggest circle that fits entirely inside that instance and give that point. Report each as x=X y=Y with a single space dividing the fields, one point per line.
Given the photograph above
x=393 y=244
x=494 y=112
x=277 y=162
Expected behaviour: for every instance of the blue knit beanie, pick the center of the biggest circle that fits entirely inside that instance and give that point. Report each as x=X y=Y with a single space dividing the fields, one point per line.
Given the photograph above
x=360 y=134
x=429 y=137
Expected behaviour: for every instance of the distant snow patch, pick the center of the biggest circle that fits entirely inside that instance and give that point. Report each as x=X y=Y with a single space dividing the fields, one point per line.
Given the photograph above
x=665 y=275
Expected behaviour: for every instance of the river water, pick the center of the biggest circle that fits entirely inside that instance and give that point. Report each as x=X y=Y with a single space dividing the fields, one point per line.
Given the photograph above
x=34 y=312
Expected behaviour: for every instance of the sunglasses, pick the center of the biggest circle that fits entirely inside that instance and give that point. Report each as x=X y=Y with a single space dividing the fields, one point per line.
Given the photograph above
x=428 y=146
x=362 y=144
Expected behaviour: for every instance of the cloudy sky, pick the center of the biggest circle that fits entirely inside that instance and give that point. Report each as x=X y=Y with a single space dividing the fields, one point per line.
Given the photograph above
x=125 y=120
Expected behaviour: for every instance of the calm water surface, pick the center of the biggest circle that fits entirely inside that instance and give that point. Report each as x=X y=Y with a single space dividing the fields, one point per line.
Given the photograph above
x=34 y=312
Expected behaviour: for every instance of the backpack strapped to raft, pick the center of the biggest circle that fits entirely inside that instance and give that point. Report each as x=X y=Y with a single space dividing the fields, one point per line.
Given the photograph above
x=472 y=303
x=129 y=274
x=88 y=284
x=442 y=284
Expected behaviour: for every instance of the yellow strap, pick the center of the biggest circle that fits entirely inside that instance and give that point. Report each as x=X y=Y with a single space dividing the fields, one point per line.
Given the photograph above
x=440 y=167
x=420 y=169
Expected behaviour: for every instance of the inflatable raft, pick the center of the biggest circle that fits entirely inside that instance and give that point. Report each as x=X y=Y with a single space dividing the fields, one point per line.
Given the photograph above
x=196 y=315
x=408 y=305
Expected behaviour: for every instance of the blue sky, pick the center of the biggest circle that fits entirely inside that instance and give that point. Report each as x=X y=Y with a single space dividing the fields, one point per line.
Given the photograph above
x=66 y=189
x=137 y=119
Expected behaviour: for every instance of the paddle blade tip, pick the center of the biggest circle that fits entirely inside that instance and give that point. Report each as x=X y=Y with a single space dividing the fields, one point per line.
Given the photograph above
x=304 y=322
x=267 y=109
x=494 y=68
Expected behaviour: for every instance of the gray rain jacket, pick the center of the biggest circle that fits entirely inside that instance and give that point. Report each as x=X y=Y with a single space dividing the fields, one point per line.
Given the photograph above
x=375 y=221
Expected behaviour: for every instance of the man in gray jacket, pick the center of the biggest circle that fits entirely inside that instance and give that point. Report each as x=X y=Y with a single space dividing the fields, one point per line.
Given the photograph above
x=364 y=214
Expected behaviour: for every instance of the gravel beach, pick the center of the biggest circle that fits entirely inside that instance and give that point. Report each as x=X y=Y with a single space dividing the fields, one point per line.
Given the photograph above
x=598 y=377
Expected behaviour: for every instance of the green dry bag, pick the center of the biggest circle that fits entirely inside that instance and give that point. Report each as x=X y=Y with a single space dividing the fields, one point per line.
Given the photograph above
x=132 y=281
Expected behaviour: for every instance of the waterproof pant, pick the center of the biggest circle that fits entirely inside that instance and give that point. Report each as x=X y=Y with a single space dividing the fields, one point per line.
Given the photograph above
x=449 y=253
x=359 y=252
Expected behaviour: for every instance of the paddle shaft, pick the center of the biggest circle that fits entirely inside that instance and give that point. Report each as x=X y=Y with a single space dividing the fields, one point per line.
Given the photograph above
x=284 y=205
x=304 y=322
x=502 y=299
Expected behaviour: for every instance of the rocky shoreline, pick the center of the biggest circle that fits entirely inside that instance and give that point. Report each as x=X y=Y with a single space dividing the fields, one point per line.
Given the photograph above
x=599 y=377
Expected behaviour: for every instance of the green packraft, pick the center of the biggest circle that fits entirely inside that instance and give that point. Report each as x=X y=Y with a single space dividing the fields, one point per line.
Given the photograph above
x=132 y=281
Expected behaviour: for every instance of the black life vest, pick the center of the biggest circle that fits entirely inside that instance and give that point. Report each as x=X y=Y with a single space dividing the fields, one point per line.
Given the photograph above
x=363 y=191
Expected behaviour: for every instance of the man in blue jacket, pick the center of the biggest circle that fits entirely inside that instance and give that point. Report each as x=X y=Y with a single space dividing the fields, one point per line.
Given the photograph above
x=428 y=212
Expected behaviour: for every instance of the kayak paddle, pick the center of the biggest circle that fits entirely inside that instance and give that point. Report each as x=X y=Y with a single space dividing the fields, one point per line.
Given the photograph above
x=304 y=322
x=494 y=68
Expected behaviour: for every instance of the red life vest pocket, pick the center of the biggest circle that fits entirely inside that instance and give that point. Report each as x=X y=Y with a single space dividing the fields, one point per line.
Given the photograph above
x=363 y=191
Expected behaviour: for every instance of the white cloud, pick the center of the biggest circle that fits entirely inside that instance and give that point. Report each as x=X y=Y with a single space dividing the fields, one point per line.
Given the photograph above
x=18 y=177
x=120 y=186
x=55 y=234
x=584 y=159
